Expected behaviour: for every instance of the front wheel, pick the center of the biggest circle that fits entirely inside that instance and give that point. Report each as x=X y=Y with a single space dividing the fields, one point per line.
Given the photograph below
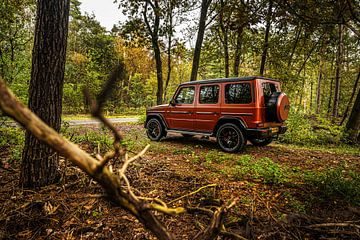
x=261 y=142
x=230 y=138
x=155 y=130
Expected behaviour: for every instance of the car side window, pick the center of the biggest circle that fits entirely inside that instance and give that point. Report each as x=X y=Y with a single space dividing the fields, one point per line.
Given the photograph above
x=185 y=95
x=238 y=93
x=209 y=94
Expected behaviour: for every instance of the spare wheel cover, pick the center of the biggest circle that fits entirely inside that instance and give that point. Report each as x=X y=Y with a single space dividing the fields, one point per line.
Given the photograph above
x=282 y=107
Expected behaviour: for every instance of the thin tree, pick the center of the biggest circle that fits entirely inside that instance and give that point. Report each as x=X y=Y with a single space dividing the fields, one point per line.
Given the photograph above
x=266 y=39
x=39 y=165
x=200 y=37
x=154 y=34
x=339 y=54
x=351 y=99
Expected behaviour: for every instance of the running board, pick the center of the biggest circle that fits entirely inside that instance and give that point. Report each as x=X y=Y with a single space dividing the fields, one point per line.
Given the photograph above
x=190 y=133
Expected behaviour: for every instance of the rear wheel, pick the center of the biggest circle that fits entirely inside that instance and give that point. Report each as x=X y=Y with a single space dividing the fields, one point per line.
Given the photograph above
x=155 y=130
x=261 y=142
x=230 y=138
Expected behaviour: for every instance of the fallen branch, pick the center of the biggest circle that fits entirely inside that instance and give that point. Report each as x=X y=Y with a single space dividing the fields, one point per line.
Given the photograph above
x=141 y=207
x=321 y=225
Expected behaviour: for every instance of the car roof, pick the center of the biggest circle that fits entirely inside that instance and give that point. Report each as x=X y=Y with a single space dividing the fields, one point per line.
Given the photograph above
x=221 y=80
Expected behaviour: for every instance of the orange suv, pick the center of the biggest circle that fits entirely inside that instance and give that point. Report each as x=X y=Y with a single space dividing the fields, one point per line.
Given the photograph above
x=233 y=110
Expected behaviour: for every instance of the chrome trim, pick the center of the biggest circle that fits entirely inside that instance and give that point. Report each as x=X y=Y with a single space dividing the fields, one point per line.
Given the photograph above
x=180 y=112
x=207 y=113
x=188 y=132
x=237 y=114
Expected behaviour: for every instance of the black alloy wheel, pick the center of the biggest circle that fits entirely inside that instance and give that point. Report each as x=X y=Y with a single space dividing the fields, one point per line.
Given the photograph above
x=154 y=129
x=261 y=142
x=230 y=138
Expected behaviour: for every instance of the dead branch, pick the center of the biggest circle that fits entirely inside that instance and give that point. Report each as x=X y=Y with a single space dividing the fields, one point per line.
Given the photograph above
x=194 y=192
x=141 y=207
x=95 y=169
x=321 y=225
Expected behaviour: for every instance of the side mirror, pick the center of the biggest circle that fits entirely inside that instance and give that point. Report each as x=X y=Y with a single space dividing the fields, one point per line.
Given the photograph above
x=172 y=102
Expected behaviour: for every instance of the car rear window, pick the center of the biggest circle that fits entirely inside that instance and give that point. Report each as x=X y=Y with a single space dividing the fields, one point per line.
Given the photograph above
x=185 y=95
x=269 y=88
x=209 y=94
x=238 y=93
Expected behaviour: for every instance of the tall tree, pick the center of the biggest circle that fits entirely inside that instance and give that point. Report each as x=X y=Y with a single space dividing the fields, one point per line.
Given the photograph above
x=353 y=125
x=39 y=162
x=339 y=55
x=266 y=38
x=200 y=37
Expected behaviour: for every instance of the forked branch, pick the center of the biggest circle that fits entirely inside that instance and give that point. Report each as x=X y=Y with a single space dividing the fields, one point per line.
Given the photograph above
x=141 y=207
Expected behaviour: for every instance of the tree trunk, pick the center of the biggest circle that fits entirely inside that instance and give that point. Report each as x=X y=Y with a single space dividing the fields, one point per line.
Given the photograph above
x=353 y=125
x=238 y=51
x=266 y=40
x=39 y=162
x=170 y=34
x=350 y=100
x=154 y=33
x=318 y=91
x=200 y=37
x=225 y=40
x=296 y=41
x=338 y=73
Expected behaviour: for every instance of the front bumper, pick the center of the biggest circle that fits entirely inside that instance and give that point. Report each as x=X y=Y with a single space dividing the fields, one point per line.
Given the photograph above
x=261 y=133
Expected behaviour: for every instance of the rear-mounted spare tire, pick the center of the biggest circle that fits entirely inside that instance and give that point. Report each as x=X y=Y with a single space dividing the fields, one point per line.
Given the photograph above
x=277 y=107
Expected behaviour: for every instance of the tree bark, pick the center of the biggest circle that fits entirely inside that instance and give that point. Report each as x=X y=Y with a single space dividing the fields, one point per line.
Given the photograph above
x=170 y=34
x=39 y=165
x=200 y=37
x=351 y=99
x=338 y=72
x=320 y=77
x=353 y=125
x=266 y=40
x=225 y=40
x=154 y=33
x=238 y=51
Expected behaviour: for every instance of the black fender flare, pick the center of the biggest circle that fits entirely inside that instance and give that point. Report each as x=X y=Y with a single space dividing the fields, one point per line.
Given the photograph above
x=159 y=116
x=236 y=120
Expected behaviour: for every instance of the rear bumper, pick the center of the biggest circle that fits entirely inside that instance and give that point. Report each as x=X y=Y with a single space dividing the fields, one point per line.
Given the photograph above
x=261 y=133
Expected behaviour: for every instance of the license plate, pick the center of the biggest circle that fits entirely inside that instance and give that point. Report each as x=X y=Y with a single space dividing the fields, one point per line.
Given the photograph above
x=275 y=130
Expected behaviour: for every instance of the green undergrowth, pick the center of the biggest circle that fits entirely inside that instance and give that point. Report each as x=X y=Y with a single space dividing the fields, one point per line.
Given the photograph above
x=12 y=139
x=310 y=130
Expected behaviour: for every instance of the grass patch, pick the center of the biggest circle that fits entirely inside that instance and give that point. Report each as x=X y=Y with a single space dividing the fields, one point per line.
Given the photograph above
x=263 y=168
x=336 y=185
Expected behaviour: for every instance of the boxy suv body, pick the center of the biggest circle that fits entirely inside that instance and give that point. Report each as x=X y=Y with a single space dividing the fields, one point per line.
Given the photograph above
x=233 y=110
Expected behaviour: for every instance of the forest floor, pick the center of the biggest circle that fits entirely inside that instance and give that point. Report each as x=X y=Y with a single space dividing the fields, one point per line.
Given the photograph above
x=284 y=192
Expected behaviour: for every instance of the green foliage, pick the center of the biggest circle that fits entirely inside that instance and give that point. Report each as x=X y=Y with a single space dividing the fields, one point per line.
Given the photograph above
x=336 y=184
x=216 y=156
x=13 y=139
x=264 y=168
x=299 y=129
x=309 y=130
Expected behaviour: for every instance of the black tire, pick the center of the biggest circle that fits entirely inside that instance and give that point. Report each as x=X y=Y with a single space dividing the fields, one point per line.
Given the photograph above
x=155 y=130
x=187 y=135
x=261 y=142
x=230 y=138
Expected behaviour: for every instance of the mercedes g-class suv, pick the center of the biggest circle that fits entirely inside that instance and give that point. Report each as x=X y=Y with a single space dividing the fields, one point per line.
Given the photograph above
x=233 y=110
